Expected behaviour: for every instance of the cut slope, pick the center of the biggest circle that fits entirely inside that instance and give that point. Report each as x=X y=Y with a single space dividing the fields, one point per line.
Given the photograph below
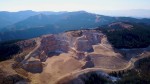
x=71 y=53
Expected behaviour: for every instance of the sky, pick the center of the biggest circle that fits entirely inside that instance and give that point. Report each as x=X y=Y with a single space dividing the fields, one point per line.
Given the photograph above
x=72 y=5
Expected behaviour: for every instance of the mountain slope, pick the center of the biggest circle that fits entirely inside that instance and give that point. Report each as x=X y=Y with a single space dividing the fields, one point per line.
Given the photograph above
x=57 y=23
x=10 y=18
x=128 y=35
x=72 y=19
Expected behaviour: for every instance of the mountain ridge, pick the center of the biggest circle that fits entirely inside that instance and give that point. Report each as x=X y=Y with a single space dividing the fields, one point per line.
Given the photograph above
x=57 y=23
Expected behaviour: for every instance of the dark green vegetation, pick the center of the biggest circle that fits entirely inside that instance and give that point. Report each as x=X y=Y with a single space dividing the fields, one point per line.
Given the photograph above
x=143 y=66
x=94 y=78
x=26 y=34
x=8 y=49
x=139 y=75
x=136 y=37
x=89 y=78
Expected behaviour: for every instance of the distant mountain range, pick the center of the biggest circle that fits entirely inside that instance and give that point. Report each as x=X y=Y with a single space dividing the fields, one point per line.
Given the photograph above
x=29 y=24
x=9 y=18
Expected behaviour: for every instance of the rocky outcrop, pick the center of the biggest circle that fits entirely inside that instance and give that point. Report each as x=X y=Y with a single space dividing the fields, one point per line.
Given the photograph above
x=48 y=44
x=88 y=64
x=33 y=66
x=83 y=46
x=79 y=41
x=26 y=44
x=79 y=55
x=76 y=33
x=84 y=43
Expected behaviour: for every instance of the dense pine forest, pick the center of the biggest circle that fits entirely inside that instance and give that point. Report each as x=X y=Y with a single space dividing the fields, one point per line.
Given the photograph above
x=139 y=75
x=136 y=37
x=8 y=49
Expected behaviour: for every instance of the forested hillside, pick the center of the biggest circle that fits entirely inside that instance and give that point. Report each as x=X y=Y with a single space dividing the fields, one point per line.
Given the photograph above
x=135 y=37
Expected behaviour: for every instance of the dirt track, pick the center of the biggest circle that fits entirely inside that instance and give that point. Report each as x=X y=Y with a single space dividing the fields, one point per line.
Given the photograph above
x=38 y=43
x=130 y=65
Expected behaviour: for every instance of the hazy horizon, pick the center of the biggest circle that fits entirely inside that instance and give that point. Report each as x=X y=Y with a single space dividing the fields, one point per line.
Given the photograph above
x=74 y=5
x=135 y=13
